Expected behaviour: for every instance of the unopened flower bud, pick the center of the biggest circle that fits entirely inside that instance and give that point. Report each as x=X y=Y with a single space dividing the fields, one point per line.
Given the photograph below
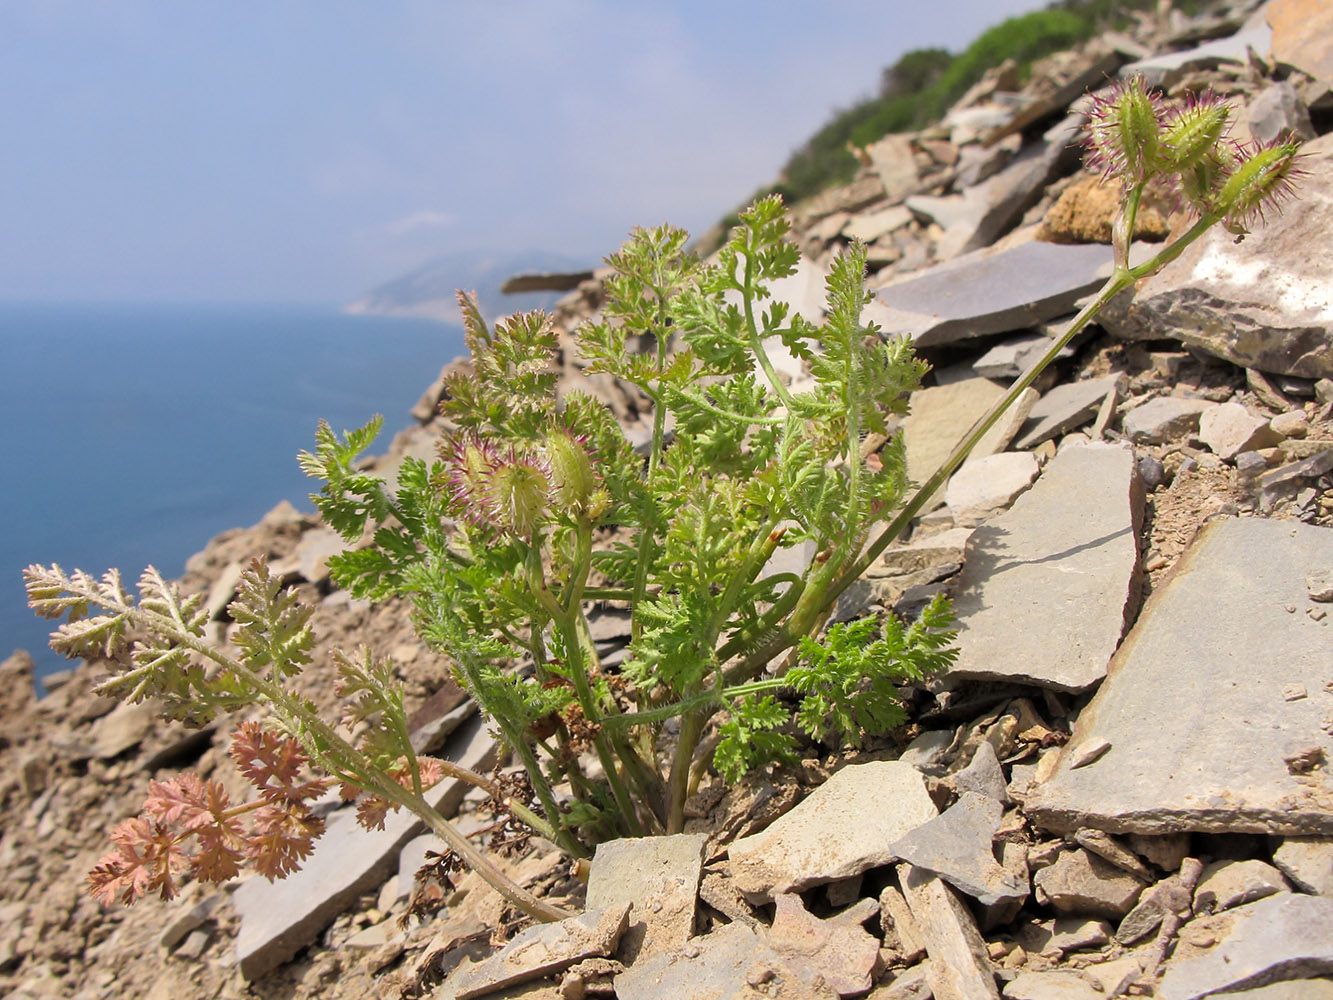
x=572 y=473
x=1262 y=179
x=1194 y=133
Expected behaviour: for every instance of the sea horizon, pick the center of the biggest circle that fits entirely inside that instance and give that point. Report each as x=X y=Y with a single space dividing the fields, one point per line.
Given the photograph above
x=141 y=430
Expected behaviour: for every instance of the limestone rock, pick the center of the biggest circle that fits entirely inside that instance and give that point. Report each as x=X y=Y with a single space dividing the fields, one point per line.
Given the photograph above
x=984 y=486
x=1011 y=358
x=1283 y=937
x=1215 y=756
x=1307 y=862
x=732 y=961
x=1266 y=304
x=1277 y=112
x=959 y=967
x=1064 y=408
x=1162 y=419
x=1225 y=884
x=1084 y=884
x=836 y=953
x=1166 y=68
x=660 y=876
x=1066 y=552
x=983 y=775
x=873 y=225
x=939 y=418
x=826 y=837
x=1229 y=428
x=894 y=164
x=1303 y=36
x=1057 y=985
x=991 y=292
x=540 y=950
x=957 y=846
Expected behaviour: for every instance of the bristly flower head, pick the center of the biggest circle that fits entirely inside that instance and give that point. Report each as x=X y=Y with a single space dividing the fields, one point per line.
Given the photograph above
x=1194 y=131
x=510 y=491
x=1263 y=178
x=1125 y=132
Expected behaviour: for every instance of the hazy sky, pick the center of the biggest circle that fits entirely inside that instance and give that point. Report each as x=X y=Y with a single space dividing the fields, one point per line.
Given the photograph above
x=306 y=150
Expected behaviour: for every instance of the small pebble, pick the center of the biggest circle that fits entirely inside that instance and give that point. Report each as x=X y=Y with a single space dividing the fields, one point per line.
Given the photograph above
x=1152 y=472
x=1087 y=752
x=1293 y=424
x=1318 y=614
x=1154 y=561
x=1319 y=584
x=1294 y=692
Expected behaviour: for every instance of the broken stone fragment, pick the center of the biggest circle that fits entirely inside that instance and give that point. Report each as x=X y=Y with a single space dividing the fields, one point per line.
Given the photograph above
x=732 y=961
x=1064 y=408
x=1229 y=429
x=1225 y=884
x=990 y=292
x=1067 y=552
x=1215 y=757
x=1168 y=896
x=540 y=951
x=957 y=846
x=939 y=418
x=1307 y=862
x=983 y=775
x=1109 y=849
x=1084 y=884
x=660 y=876
x=1284 y=937
x=1055 y=937
x=959 y=967
x=984 y=486
x=1162 y=419
x=837 y=952
x=826 y=836
x=1055 y=985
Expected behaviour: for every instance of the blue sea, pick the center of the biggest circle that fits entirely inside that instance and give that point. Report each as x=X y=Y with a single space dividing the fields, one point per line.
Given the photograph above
x=135 y=433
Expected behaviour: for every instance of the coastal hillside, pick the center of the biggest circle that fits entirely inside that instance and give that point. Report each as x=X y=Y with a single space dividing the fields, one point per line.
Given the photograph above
x=1119 y=789
x=429 y=290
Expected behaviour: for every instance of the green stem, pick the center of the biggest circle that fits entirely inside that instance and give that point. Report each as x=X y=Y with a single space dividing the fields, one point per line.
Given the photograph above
x=756 y=342
x=349 y=762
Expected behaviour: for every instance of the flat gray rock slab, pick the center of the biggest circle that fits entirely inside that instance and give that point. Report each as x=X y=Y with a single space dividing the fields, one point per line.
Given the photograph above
x=940 y=417
x=1168 y=66
x=959 y=968
x=984 y=486
x=1307 y=862
x=845 y=827
x=1046 y=586
x=660 y=876
x=1201 y=734
x=957 y=846
x=1267 y=303
x=541 y=950
x=731 y=962
x=1276 y=939
x=280 y=918
x=982 y=293
x=1162 y=418
x=1064 y=408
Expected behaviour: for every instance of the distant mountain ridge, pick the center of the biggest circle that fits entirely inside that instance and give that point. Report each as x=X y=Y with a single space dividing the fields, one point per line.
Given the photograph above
x=429 y=290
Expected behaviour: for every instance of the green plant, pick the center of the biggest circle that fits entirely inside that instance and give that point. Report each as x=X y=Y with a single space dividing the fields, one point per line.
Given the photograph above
x=554 y=511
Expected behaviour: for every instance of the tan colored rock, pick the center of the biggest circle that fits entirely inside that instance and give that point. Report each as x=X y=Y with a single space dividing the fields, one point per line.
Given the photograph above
x=1303 y=35
x=1085 y=210
x=826 y=837
x=940 y=416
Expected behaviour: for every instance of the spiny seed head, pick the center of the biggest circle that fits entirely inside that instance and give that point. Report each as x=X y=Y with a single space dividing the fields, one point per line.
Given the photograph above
x=469 y=463
x=1262 y=179
x=1194 y=132
x=519 y=494
x=1125 y=131
x=575 y=480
